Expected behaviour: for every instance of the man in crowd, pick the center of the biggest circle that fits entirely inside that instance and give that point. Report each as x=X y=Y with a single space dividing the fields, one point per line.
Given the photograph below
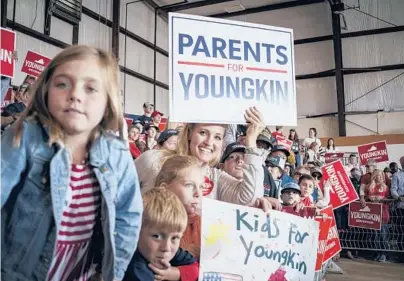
x=397 y=192
x=365 y=180
x=156 y=118
x=393 y=167
x=352 y=163
x=300 y=171
x=278 y=132
x=148 y=109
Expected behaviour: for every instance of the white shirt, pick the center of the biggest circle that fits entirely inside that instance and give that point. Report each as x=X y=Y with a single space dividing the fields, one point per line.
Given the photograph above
x=308 y=141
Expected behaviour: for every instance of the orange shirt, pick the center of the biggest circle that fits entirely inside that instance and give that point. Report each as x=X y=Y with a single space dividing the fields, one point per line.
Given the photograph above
x=191 y=239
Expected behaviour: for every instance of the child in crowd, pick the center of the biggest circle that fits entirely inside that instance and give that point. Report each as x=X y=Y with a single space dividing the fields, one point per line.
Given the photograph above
x=183 y=175
x=307 y=185
x=71 y=204
x=290 y=195
x=133 y=138
x=159 y=256
x=151 y=134
x=168 y=139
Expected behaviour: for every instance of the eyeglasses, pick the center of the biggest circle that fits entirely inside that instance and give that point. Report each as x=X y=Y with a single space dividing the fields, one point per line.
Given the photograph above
x=298 y=174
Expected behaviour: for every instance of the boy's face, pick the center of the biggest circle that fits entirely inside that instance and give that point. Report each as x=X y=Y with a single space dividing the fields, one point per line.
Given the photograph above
x=233 y=165
x=306 y=187
x=290 y=197
x=157 y=245
x=188 y=188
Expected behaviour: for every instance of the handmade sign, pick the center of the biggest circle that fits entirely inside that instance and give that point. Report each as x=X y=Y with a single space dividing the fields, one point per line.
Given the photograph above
x=242 y=243
x=215 y=63
x=34 y=64
x=374 y=150
x=8 y=41
x=324 y=228
x=369 y=217
x=333 y=246
x=342 y=191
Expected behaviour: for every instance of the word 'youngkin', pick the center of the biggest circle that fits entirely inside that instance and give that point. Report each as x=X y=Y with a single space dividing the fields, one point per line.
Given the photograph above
x=204 y=86
x=374 y=154
x=285 y=258
x=231 y=49
x=366 y=216
x=336 y=184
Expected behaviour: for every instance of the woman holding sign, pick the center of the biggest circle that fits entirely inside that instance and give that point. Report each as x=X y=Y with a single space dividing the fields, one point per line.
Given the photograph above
x=205 y=142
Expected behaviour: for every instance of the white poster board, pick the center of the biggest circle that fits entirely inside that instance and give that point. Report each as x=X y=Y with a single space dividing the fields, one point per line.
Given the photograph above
x=219 y=68
x=242 y=243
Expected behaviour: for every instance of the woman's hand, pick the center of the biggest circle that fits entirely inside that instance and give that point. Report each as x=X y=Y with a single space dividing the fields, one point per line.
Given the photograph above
x=264 y=204
x=255 y=126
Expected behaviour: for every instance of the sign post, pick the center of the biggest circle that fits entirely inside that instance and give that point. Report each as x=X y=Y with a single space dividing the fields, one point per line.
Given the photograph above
x=224 y=67
x=243 y=243
x=8 y=45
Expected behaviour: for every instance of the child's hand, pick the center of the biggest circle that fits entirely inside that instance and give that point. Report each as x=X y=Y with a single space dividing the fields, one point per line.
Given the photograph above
x=168 y=273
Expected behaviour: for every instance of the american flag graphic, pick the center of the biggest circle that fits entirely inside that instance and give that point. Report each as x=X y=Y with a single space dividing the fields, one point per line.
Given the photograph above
x=218 y=276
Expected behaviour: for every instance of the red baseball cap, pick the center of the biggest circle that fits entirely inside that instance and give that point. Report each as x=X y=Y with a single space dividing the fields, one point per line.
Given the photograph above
x=156 y=113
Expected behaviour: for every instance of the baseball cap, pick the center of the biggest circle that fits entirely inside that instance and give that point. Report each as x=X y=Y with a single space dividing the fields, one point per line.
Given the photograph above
x=291 y=186
x=165 y=135
x=147 y=104
x=316 y=170
x=148 y=126
x=264 y=138
x=276 y=161
x=233 y=147
x=281 y=148
x=387 y=170
x=156 y=113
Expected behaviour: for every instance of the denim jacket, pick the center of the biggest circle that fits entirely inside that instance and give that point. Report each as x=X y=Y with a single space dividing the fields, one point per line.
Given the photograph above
x=34 y=181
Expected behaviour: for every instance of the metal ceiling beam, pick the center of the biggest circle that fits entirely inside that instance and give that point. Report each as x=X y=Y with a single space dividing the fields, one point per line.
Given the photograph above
x=266 y=8
x=193 y=5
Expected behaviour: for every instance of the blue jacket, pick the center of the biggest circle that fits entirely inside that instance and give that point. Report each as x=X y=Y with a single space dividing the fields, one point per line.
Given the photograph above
x=35 y=179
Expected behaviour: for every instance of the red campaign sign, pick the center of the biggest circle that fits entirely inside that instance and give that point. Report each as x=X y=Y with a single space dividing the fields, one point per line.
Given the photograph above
x=283 y=141
x=333 y=246
x=333 y=156
x=369 y=217
x=374 y=150
x=34 y=64
x=322 y=240
x=8 y=38
x=342 y=191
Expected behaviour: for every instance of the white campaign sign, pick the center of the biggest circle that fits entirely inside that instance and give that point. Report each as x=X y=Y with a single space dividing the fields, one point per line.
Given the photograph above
x=242 y=243
x=219 y=68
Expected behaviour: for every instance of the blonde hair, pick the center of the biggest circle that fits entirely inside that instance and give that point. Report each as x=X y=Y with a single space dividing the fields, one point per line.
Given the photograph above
x=163 y=209
x=184 y=139
x=38 y=108
x=173 y=166
x=373 y=183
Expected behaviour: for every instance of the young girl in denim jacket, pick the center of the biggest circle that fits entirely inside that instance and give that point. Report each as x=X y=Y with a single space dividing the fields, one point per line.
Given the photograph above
x=71 y=203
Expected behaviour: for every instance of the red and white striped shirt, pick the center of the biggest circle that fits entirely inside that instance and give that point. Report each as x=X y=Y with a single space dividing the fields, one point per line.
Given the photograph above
x=73 y=258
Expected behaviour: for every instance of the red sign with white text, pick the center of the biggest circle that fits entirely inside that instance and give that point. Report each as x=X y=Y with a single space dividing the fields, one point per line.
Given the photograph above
x=333 y=156
x=369 y=217
x=322 y=240
x=284 y=141
x=8 y=38
x=374 y=150
x=333 y=246
x=342 y=191
x=34 y=64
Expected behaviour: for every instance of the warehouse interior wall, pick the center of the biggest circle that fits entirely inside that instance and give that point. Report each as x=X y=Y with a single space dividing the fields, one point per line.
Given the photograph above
x=373 y=62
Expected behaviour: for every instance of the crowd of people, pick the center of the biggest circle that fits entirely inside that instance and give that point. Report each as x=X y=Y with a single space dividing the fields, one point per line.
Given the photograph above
x=81 y=201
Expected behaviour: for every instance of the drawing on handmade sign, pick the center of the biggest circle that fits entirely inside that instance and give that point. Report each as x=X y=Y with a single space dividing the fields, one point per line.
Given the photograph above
x=236 y=237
